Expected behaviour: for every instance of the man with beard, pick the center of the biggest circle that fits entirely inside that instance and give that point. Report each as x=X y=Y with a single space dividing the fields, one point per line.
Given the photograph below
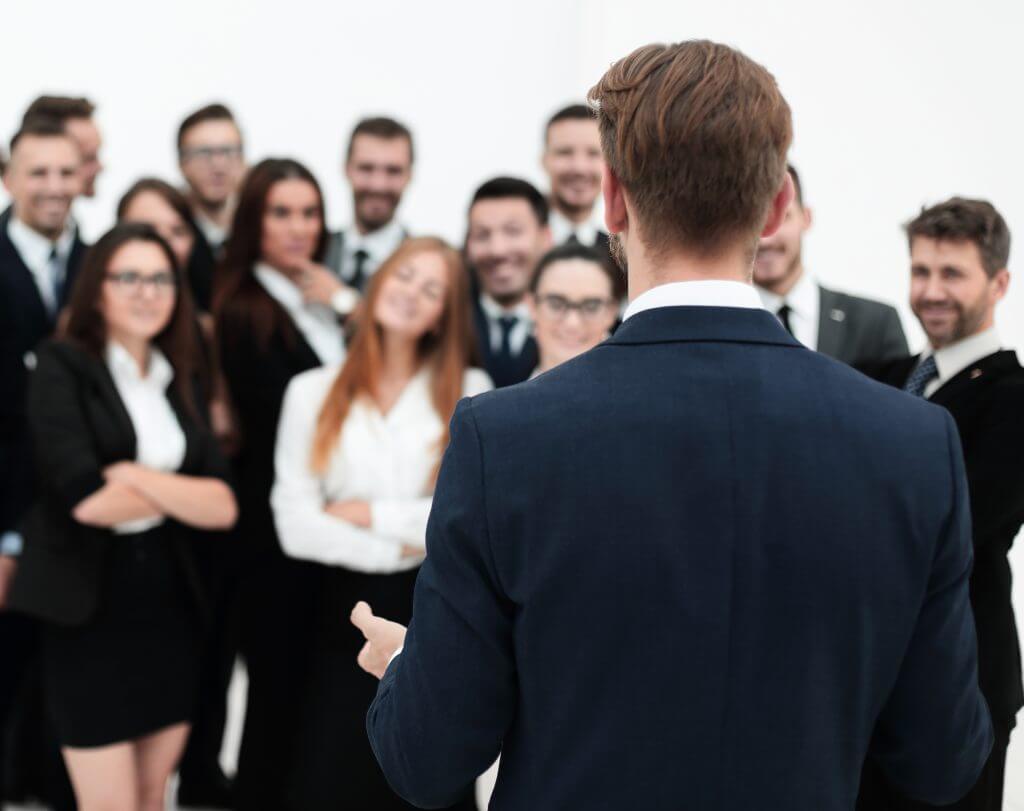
x=378 y=167
x=40 y=253
x=76 y=115
x=848 y=328
x=212 y=161
x=959 y=251
x=506 y=237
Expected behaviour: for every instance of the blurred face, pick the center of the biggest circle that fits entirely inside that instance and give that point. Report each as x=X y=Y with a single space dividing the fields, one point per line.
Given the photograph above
x=211 y=161
x=950 y=293
x=504 y=243
x=139 y=293
x=291 y=224
x=379 y=169
x=573 y=161
x=149 y=207
x=86 y=135
x=573 y=310
x=779 y=264
x=43 y=178
x=412 y=297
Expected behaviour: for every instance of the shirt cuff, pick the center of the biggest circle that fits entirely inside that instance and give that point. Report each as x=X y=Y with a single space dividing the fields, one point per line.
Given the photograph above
x=395 y=656
x=11 y=544
x=344 y=301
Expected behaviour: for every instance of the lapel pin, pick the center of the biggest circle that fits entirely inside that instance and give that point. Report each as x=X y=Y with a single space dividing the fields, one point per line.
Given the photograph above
x=837 y=315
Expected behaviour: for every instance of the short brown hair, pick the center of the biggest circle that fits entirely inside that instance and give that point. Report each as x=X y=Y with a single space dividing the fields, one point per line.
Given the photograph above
x=59 y=108
x=380 y=127
x=960 y=219
x=39 y=127
x=211 y=112
x=697 y=134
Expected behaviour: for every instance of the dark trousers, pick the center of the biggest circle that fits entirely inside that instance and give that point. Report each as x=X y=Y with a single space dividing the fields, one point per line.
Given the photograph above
x=335 y=769
x=876 y=794
x=277 y=604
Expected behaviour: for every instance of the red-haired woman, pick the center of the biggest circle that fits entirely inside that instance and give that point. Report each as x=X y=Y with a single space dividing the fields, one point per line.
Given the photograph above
x=358 y=449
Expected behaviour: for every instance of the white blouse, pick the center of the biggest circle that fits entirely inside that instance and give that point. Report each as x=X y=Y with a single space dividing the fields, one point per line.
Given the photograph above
x=318 y=324
x=159 y=438
x=388 y=460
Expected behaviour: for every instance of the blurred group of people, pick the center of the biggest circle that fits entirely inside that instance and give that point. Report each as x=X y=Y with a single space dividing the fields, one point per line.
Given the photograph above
x=223 y=422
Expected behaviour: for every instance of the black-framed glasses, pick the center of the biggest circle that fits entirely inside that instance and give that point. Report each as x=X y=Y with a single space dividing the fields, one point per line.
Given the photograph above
x=132 y=282
x=558 y=307
x=206 y=154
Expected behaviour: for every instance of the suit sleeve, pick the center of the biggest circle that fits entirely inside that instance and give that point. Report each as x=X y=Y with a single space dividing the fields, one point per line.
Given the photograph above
x=444 y=705
x=934 y=733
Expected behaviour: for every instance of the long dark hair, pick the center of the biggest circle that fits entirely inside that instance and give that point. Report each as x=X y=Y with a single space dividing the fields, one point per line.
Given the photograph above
x=240 y=304
x=87 y=327
x=170 y=195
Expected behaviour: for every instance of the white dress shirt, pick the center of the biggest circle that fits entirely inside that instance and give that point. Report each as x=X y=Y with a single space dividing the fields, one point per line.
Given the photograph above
x=35 y=251
x=388 y=460
x=586 y=232
x=378 y=245
x=804 y=302
x=159 y=438
x=953 y=359
x=494 y=312
x=318 y=324
x=215 y=235
x=703 y=293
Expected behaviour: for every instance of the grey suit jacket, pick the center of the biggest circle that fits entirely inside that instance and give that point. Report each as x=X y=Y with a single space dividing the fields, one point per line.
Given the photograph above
x=858 y=330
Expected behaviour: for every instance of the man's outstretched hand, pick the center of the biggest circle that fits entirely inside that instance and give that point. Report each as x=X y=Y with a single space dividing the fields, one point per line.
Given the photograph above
x=383 y=639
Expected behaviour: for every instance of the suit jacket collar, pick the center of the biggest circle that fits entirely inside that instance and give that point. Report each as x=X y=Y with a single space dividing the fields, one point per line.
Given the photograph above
x=831 y=322
x=703 y=324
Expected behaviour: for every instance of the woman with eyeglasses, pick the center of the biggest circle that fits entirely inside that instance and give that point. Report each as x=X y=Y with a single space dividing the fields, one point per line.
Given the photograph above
x=127 y=470
x=572 y=303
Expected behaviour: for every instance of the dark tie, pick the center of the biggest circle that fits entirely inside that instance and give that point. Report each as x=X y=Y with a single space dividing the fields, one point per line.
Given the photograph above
x=359 y=275
x=573 y=240
x=919 y=379
x=507 y=324
x=783 y=315
x=56 y=271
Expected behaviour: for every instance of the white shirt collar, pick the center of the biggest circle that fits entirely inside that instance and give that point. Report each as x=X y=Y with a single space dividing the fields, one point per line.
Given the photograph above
x=494 y=311
x=214 y=234
x=586 y=232
x=33 y=248
x=124 y=369
x=379 y=244
x=803 y=297
x=279 y=286
x=702 y=293
x=953 y=359
x=317 y=323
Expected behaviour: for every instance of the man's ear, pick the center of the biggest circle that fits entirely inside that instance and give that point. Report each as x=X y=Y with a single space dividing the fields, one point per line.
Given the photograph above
x=1001 y=281
x=777 y=210
x=616 y=218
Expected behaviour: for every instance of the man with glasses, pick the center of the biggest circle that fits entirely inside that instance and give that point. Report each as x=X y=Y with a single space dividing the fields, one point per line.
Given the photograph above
x=40 y=253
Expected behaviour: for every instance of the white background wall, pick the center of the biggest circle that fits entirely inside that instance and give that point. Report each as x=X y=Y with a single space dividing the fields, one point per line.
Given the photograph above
x=896 y=104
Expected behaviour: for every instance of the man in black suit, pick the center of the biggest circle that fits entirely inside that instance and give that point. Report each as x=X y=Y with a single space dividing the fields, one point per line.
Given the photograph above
x=40 y=253
x=506 y=236
x=959 y=252
x=645 y=583
x=378 y=167
x=848 y=328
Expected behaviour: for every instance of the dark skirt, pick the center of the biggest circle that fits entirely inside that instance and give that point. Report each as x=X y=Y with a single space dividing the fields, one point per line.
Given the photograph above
x=335 y=768
x=131 y=670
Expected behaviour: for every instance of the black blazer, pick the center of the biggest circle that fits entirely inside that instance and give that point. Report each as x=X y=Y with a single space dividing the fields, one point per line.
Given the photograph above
x=858 y=330
x=987 y=401
x=80 y=426
x=24 y=322
x=257 y=377
x=502 y=372
x=699 y=566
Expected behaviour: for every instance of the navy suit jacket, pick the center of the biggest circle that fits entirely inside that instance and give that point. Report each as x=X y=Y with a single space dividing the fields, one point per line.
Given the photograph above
x=697 y=567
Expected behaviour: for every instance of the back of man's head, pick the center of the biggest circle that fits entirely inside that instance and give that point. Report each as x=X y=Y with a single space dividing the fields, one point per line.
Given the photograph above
x=58 y=108
x=697 y=134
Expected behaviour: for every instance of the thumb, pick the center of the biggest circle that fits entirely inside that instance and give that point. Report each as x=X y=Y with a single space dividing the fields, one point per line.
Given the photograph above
x=362 y=617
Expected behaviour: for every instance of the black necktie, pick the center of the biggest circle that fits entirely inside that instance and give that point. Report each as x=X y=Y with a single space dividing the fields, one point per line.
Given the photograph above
x=783 y=314
x=573 y=239
x=56 y=271
x=359 y=275
x=507 y=324
x=925 y=373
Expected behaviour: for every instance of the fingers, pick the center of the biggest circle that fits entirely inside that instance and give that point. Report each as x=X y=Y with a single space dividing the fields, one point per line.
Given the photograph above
x=362 y=617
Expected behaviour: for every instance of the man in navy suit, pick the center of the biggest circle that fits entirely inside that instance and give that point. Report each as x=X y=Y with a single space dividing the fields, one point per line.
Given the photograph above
x=701 y=566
